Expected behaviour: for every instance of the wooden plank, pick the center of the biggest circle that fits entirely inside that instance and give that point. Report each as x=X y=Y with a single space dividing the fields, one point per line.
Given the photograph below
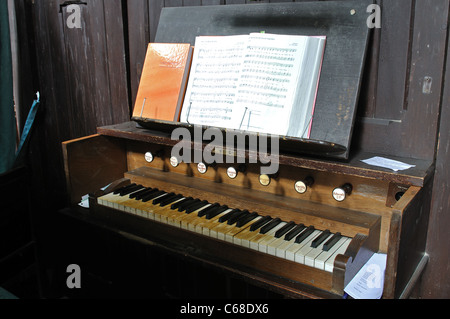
x=138 y=38
x=211 y=2
x=434 y=286
x=189 y=3
x=28 y=65
x=427 y=60
x=154 y=11
x=415 y=134
x=117 y=68
x=397 y=17
x=87 y=75
x=235 y=2
x=55 y=126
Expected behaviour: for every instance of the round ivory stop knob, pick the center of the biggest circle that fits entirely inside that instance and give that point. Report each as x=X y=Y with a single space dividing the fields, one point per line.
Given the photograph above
x=302 y=186
x=264 y=180
x=174 y=161
x=341 y=193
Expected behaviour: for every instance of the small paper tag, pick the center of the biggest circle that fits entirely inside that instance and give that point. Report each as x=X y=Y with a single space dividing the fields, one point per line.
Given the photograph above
x=388 y=163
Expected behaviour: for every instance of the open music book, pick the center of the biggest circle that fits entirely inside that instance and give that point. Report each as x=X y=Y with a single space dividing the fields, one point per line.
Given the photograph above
x=259 y=82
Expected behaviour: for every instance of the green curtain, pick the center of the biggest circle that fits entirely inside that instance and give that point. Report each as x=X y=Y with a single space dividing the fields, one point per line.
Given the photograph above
x=7 y=118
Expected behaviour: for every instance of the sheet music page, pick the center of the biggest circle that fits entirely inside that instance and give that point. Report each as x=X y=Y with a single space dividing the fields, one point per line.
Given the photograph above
x=215 y=70
x=268 y=82
x=263 y=83
x=369 y=282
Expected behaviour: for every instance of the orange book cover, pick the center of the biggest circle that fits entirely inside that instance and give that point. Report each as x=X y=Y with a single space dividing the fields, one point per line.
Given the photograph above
x=163 y=81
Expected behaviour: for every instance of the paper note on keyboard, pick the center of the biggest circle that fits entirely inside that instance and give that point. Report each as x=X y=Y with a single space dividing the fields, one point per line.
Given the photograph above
x=388 y=163
x=369 y=282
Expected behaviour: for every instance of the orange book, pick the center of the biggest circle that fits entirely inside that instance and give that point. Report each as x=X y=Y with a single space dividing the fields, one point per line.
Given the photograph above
x=163 y=81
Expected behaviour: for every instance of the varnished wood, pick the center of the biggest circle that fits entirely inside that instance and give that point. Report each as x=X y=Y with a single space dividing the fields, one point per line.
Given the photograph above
x=433 y=285
x=416 y=176
x=92 y=163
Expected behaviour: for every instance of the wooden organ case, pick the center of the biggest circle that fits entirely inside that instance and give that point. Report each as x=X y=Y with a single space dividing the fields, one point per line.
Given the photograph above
x=322 y=186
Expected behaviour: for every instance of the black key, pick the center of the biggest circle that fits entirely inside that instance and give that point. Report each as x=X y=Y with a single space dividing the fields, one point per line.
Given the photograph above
x=332 y=241
x=193 y=208
x=320 y=239
x=267 y=228
x=131 y=190
x=161 y=198
x=283 y=231
x=170 y=200
x=213 y=207
x=246 y=219
x=152 y=196
x=226 y=217
x=237 y=216
x=142 y=191
x=260 y=223
x=187 y=204
x=216 y=212
x=297 y=230
x=181 y=202
x=308 y=231
x=150 y=191
x=117 y=192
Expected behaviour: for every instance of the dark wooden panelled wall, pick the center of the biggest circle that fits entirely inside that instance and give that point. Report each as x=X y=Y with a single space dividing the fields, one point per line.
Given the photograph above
x=88 y=77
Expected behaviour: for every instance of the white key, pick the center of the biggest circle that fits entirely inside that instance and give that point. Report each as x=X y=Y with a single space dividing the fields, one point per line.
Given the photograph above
x=319 y=262
x=186 y=221
x=273 y=245
x=205 y=226
x=292 y=250
x=193 y=222
x=312 y=255
x=122 y=201
x=176 y=218
x=221 y=230
x=302 y=252
x=329 y=264
x=152 y=209
x=254 y=242
x=270 y=237
x=231 y=235
x=165 y=211
x=106 y=199
x=237 y=239
x=280 y=251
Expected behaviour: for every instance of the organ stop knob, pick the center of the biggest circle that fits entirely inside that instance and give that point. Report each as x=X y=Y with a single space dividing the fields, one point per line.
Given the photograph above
x=302 y=186
x=341 y=193
x=232 y=172
x=202 y=167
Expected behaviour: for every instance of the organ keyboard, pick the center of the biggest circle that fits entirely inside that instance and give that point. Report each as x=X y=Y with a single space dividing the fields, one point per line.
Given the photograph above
x=298 y=243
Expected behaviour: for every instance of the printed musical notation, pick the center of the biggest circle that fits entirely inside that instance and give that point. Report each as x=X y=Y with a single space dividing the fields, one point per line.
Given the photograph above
x=259 y=82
